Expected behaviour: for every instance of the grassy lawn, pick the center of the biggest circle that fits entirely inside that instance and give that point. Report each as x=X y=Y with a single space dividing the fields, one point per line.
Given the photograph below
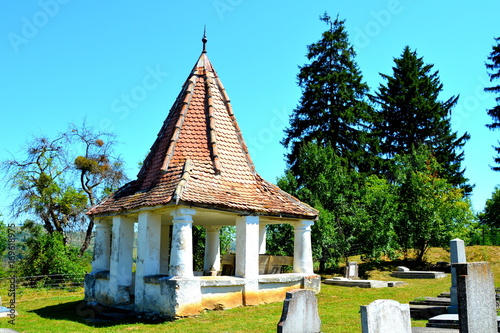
x=338 y=306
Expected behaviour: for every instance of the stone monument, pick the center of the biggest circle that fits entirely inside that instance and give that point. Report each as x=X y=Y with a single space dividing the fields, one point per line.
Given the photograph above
x=300 y=313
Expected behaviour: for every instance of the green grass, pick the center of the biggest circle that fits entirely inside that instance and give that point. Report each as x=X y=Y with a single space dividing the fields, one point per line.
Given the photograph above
x=338 y=307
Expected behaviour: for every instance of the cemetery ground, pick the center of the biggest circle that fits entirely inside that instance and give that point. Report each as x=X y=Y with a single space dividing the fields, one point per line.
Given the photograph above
x=58 y=311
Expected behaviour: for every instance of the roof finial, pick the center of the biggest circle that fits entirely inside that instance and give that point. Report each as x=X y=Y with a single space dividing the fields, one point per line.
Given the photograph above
x=204 y=39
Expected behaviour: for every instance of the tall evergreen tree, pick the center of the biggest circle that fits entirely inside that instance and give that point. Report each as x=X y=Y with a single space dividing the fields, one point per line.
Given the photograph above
x=494 y=67
x=332 y=110
x=410 y=114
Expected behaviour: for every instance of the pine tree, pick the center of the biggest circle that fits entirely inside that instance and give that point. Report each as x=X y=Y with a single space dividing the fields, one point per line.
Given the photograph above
x=494 y=67
x=332 y=110
x=410 y=114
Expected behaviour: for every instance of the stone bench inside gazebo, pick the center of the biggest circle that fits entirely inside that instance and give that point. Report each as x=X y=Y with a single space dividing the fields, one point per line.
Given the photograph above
x=198 y=172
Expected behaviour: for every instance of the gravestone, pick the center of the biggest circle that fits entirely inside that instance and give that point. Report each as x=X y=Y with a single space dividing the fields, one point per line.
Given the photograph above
x=351 y=270
x=385 y=315
x=457 y=256
x=476 y=298
x=300 y=313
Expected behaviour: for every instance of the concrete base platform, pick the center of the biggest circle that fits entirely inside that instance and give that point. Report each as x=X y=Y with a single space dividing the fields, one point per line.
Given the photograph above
x=428 y=307
x=449 y=321
x=344 y=282
x=418 y=274
x=433 y=330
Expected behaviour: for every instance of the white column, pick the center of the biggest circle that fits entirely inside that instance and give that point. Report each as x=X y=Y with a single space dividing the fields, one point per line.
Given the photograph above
x=212 y=249
x=181 y=255
x=164 y=248
x=121 y=251
x=262 y=239
x=302 y=252
x=102 y=246
x=148 y=251
x=120 y=271
x=247 y=246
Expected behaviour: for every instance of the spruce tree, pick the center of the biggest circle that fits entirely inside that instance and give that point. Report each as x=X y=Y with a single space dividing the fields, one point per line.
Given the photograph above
x=494 y=67
x=410 y=114
x=332 y=110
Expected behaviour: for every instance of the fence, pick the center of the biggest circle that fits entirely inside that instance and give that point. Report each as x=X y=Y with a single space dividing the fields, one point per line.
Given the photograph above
x=43 y=286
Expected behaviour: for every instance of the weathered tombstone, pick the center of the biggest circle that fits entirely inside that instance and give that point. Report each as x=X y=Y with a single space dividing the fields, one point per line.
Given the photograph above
x=300 y=313
x=385 y=315
x=457 y=256
x=351 y=270
x=476 y=298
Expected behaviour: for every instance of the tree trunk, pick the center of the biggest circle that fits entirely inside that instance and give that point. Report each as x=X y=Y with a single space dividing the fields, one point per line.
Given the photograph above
x=88 y=237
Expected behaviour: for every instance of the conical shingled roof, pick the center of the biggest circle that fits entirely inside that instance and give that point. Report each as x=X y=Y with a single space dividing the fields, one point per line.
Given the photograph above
x=200 y=159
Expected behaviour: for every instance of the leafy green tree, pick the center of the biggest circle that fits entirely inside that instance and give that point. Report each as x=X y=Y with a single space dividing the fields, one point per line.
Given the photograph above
x=58 y=179
x=332 y=188
x=332 y=110
x=46 y=254
x=494 y=67
x=3 y=236
x=410 y=114
x=491 y=213
x=279 y=239
x=357 y=213
x=378 y=215
x=431 y=210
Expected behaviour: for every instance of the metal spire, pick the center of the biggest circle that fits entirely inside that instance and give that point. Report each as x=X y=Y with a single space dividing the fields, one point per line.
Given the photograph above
x=204 y=39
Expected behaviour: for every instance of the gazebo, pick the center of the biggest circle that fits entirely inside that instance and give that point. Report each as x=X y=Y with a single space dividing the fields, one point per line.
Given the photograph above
x=198 y=172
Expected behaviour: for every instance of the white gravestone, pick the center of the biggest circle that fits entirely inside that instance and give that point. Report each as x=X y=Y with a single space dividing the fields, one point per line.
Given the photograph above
x=457 y=256
x=384 y=316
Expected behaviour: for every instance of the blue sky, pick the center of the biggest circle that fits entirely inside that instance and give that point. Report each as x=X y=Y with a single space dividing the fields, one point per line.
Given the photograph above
x=121 y=64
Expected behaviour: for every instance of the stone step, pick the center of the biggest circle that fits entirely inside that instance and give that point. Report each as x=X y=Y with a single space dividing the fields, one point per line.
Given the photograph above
x=433 y=330
x=344 y=282
x=426 y=311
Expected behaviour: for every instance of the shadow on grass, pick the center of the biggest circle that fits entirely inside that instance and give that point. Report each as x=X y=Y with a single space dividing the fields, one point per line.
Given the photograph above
x=79 y=311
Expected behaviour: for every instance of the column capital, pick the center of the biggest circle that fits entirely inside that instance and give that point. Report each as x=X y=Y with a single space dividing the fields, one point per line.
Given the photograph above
x=249 y=219
x=183 y=214
x=304 y=225
x=212 y=228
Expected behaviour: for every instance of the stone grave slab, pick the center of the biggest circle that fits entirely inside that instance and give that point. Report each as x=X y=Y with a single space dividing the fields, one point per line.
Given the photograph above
x=300 y=313
x=418 y=274
x=344 y=282
x=450 y=320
